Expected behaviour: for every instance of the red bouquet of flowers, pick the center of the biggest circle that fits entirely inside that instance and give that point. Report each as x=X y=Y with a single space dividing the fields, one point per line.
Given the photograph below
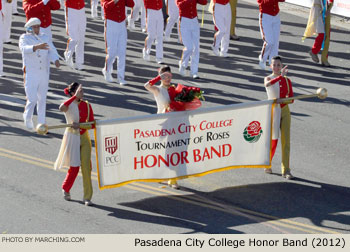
x=185 y=98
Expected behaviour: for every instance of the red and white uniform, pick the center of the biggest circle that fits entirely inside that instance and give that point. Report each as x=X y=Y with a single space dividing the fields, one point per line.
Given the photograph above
x=281 y=87
x=154 y=26
x=36 y=68
x=41 y=9
x=116 y=34
x=278 y=90
x=7 y=19
x=319 y=24
x=189 y=30
x=75 y=27
x=1 y=41
x=173 y=12
x=134 y=15
x=222 y=20
x=270 y=25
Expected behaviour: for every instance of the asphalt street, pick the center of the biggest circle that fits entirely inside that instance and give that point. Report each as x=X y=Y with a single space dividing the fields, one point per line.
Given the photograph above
x=244 y=201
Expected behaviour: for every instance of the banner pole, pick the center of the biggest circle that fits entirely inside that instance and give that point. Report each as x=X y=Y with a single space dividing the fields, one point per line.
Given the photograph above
x=321 y=93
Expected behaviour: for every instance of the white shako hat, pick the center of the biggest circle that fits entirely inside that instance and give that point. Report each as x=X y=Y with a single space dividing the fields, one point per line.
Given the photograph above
x=32 y=21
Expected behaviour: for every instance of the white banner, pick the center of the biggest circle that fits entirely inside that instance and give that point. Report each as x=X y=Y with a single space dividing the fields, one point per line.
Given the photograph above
x=183 y=144
x=340 y=7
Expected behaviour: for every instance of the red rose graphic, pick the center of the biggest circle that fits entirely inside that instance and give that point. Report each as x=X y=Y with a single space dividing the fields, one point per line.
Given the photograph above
x=254 y=128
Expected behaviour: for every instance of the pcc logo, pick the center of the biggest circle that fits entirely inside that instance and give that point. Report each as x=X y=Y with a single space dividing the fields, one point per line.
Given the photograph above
x=111 y=153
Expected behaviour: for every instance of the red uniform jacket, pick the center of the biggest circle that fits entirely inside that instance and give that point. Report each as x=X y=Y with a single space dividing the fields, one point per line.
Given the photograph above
x=286 y=90
x=153 y=4
x=83 y=115
x=0 y=6
x=269 y=6
x=36 y=8
x=75 y=4
x=116 y=12
x=188 y=8
x=223 y=2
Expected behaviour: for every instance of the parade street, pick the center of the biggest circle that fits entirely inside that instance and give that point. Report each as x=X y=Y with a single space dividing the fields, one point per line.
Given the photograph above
x=237 y=201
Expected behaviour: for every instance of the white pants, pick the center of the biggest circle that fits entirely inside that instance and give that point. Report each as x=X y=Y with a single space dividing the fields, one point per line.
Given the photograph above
x=155 y=27
x=134 y=15
x=76 y=26
x=222 y=20
x=189 y=31
x=47 y=31
x=116 y=40
x=36 y=85
x=270 y=32
x=94 y=4
x=1 y=45
x=173 y=12
x=7 y=12
x=14 y=6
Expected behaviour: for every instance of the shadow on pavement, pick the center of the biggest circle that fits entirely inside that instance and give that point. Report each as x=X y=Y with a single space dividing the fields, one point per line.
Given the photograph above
x=314 y=201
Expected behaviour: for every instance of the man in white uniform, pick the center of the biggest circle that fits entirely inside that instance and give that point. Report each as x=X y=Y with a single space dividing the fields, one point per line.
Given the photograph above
x=115 y=37
x=75 y=26
x=37 y=52
x=189 y=28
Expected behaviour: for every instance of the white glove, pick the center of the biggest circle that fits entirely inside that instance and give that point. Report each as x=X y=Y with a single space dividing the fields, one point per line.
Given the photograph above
x=45 y=1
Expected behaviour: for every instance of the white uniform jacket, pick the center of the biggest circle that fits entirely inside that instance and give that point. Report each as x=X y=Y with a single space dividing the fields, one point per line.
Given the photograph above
x=40 y=59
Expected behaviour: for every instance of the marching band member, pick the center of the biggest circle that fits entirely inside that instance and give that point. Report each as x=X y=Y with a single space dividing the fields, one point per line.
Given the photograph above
x=135 y=14
x=317 y=24
x=270 y=25
x=189 y=30
x=75 y=149
x=162 y=98
x=75 y=27
x=41 y=9
x=37 y=52
x=115 y=37
x=173 y=12
x=155 y=27
x=1 y=42
x=7 y=12
x=222 y=20
x=278 y=86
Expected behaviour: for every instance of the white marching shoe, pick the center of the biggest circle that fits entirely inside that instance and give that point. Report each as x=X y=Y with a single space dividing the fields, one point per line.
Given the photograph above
x=181 y=69
x=108 y=76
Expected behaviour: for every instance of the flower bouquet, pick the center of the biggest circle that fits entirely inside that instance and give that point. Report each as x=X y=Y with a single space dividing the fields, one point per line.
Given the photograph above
x=185 y=98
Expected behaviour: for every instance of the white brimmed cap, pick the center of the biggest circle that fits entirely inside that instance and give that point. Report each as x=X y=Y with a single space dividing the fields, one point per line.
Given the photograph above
x=32 y=21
